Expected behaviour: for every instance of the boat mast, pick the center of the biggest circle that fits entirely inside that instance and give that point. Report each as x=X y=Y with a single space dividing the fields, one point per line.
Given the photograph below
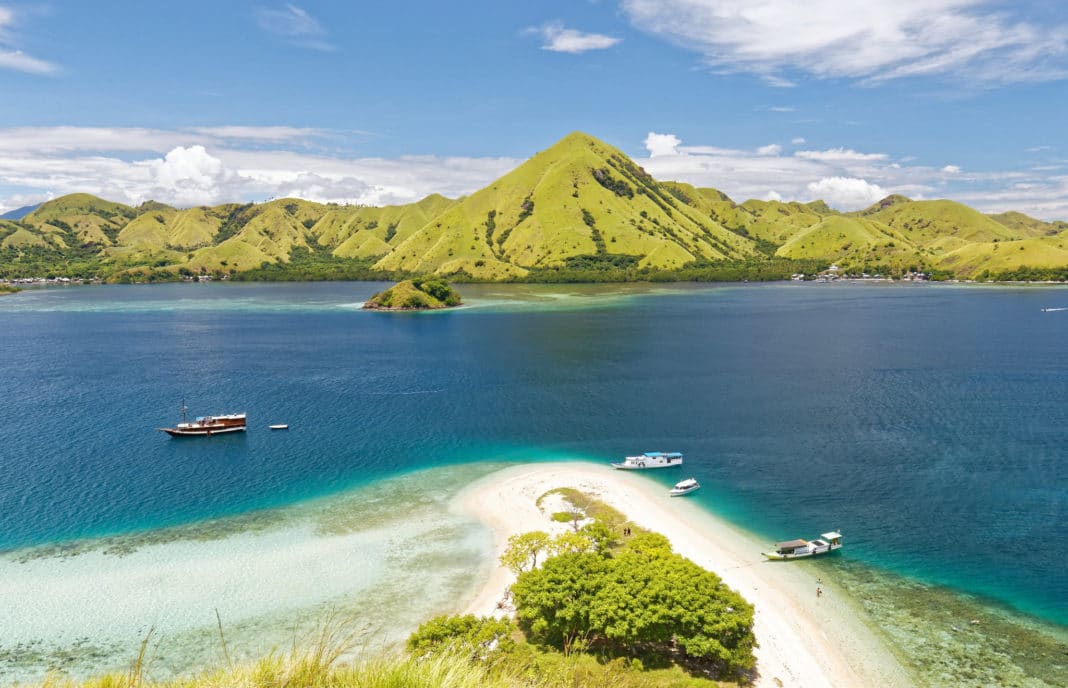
x=183 y=410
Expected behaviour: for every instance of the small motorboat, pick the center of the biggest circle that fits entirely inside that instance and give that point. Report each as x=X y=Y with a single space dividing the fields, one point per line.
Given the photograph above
x=280 y=426
x=796 y=549
x=684 y=487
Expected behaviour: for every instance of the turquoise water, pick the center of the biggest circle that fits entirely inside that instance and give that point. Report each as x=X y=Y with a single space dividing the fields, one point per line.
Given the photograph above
x=927 y=422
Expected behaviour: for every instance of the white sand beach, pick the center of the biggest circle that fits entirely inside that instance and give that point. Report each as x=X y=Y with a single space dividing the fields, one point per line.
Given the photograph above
x=803 y=640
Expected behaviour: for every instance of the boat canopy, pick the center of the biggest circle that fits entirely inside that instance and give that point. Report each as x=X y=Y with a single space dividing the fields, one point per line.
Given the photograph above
x=833 y=535
x=791 y=544
x=665 y=455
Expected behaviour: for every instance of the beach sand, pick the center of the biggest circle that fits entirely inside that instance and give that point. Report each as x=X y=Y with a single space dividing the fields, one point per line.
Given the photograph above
x=803 y=640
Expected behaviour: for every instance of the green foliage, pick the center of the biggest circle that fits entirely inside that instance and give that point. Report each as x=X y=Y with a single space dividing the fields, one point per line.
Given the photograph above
x=526 y=209
x=235 y=222
x=438 y=288
x=643 y=598
x=476 y=637
x=415 y=301
x=307 y=265
x=524 y=549
x=616 y=186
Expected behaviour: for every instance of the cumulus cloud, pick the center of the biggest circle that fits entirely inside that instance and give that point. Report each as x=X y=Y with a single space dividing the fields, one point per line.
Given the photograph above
x=770 y=149
x=559 y=39
x=847 y=193
x=662 y=144
x=295 y=25
x=11 y=57
x=849 y=179
x=876 y=40
x=797 y=140
x=951 y=169
x=210 y=165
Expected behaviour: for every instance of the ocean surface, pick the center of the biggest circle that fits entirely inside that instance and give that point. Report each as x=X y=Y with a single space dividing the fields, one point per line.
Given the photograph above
x=928 y=423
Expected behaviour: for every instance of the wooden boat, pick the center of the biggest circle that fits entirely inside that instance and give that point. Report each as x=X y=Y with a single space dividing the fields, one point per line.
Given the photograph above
x=684 y=487
x=649 y=460
x=797 y=549
x=206 y=426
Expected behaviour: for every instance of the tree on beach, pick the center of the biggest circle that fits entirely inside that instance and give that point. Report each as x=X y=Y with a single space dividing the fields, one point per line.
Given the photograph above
x=478 y=637
x=641 y=599
x=523 y=550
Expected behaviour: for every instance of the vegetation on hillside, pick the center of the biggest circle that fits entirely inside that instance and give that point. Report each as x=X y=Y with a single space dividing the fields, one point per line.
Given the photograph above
x=8 y=289
x=577 y=211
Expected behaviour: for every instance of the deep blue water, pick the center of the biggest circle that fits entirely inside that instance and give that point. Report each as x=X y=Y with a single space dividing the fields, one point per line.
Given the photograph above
x=929 y=423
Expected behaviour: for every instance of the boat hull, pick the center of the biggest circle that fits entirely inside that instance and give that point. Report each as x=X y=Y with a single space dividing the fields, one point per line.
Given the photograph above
x=202 y=432
x=777 y=556
x=643 y=467
x=680 y=493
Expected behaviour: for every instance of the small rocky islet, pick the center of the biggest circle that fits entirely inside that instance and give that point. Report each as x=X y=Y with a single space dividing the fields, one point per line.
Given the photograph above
x=420 y=294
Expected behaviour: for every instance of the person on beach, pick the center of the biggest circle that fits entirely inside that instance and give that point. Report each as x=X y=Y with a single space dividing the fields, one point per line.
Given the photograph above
x=819 y=592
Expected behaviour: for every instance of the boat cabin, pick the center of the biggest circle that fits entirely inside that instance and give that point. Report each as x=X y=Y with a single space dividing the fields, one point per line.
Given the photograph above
x=833 y=537
x=791 y=546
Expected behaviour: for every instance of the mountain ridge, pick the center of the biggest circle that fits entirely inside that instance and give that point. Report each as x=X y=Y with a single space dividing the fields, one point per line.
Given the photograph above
x=579 y=205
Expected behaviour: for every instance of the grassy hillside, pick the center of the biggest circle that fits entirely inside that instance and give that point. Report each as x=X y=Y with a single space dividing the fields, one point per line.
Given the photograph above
x=850 y=241
x=577 y=211
x=580 y=197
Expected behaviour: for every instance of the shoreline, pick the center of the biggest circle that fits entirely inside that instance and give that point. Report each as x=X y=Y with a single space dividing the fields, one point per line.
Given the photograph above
x=803 y=640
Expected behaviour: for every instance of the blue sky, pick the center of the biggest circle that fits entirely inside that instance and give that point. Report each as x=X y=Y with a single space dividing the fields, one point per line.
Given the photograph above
x=205 y=102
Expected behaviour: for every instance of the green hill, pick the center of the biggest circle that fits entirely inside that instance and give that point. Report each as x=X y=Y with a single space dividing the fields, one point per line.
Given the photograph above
x=579 y=198
x=579 y=210
x=848 y=240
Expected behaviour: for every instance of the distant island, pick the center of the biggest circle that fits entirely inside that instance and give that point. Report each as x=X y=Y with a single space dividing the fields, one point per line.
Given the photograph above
x=579 y=211
x=420 y=294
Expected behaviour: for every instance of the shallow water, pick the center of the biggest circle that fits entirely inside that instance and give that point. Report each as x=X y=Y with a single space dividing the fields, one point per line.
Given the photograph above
x=927 y=422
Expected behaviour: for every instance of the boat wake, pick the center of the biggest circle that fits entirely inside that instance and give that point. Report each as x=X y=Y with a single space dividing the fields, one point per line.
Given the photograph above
x=1053 y=310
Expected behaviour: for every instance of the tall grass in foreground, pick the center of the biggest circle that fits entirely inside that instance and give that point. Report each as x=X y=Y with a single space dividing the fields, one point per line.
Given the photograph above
x=322 y=663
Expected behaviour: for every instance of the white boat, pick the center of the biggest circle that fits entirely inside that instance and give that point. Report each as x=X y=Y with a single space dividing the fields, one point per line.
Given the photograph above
x=684 y=487
x=649 y=460
x=280 y=426
x=796 y=549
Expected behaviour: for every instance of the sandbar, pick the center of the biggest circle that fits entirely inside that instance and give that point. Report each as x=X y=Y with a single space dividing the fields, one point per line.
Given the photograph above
x=804 y=640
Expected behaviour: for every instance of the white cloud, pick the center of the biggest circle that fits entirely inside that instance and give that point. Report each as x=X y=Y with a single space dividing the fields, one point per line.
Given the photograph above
x=14 y=59
x=211 y=165
x=797 y=140
x=770 y=149
x=847 y=193
x=876 y=40
x=21 y=62
x=563 y=40
x=295 y=25
x=849 y=179
x=662 y=144
x=951 y=169
x=838 y=154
